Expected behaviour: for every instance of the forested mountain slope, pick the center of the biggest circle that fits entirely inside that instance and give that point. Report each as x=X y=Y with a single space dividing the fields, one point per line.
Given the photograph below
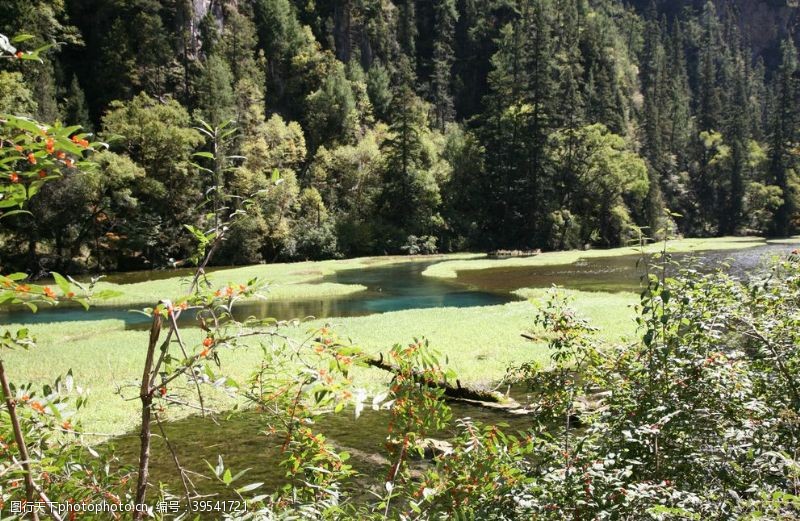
x=408 y=126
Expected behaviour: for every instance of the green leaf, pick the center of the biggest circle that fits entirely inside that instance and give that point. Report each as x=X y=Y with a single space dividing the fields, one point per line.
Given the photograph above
x=15 y=212
x=248 y=488
x=61 y=282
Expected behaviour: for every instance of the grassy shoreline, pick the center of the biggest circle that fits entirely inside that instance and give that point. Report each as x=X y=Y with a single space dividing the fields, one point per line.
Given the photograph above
x=479 y=343
x=449 y=269
x=286 y=280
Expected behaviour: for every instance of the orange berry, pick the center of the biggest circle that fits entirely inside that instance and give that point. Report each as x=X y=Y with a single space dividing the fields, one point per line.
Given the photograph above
x=47 y=290
x=18 y=55
x=38 y=407
x=70 y=294
x=42 y=174
x=208 y=341
x=50 y=146
x=31 y=158
x=14 y=177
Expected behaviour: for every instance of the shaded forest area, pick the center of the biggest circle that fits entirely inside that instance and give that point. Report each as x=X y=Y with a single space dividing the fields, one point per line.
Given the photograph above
x=405 y=126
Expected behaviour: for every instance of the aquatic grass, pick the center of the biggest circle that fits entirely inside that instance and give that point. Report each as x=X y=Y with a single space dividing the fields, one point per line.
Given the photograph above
x=786 y=240
x=286 y=280
x=478 y=343
x=449 y=269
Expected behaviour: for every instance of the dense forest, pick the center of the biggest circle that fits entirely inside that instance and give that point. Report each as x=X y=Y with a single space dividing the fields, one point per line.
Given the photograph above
x=404 y=125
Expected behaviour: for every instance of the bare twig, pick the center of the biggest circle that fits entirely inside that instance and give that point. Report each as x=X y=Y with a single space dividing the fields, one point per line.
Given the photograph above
x=177 y=463
x=11 y=405
x=174 y=325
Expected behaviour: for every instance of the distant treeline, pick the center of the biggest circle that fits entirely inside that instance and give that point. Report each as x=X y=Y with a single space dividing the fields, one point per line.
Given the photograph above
x=405 y=126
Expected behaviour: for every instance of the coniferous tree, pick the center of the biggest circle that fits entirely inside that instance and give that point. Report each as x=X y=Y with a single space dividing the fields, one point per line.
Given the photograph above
x=407 y=28
x=654 y=84
x=784 y=138
x=75 y=109
x=216 y=100
x=410 y=196
x=238 y=43
x=505 y=138
x=709 y=121
x=443 y=59
x=738 y=131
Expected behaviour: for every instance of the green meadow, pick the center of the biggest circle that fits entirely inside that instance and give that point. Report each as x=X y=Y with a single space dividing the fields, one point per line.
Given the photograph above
x=478 y=343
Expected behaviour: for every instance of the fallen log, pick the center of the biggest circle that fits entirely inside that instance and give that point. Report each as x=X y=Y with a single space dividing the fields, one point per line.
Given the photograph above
x=490 y=399
x=507 y=254
x=456 y=391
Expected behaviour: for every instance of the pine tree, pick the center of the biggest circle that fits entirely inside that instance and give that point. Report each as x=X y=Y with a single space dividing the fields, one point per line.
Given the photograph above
x=75 y=109
x=410 y=195
x=654 y=85
x=709 y=103
x=443 y=59
x=784 y=138
x=569 y=67
x=379 y=90
x=709 y=121
x=518 y=117
x=238 y=44
x=216 y=100
x=505 y=139
x=730 y=216
x=407 y=28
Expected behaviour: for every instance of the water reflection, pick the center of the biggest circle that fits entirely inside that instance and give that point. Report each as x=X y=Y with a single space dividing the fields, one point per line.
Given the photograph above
x=402 y=286
x=389 y=288
x=620 y=273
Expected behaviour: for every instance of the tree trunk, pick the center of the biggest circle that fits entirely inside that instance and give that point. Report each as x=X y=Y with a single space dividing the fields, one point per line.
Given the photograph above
x=145 y=433
x=11 y=404
x=451 y=391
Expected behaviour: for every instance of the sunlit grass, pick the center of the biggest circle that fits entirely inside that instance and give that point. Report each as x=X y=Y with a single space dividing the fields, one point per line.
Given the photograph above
x=787 y=240
x=449 y=269
x=286 y=280
x=478 y=343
